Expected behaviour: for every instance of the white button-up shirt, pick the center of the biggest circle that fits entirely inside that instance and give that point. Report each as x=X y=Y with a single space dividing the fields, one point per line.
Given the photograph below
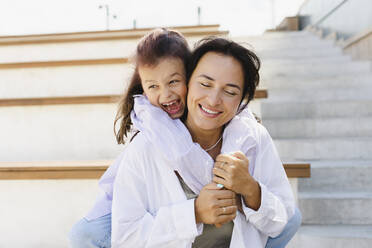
x=149 y=207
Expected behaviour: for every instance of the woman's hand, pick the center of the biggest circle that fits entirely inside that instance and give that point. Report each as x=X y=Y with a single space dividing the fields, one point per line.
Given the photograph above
x=215 y=205
x=231 y=170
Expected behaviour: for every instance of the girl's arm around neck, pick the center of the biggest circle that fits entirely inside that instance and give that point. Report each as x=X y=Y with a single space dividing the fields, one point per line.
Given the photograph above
x=143 y=213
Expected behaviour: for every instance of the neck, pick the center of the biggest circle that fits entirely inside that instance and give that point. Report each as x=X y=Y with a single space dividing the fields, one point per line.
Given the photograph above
x=205 y=138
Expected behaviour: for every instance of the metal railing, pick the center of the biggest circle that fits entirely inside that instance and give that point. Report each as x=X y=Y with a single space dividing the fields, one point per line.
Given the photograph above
x=345 y=17
x=330 y=12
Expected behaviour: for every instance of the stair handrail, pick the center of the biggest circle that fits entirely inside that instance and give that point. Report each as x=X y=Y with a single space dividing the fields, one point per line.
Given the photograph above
x=328 y=14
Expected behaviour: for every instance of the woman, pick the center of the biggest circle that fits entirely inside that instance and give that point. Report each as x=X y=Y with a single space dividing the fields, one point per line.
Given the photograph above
x=154 y=204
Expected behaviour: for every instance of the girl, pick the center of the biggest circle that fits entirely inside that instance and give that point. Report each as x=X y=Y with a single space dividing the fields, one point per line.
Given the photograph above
x=160 y=74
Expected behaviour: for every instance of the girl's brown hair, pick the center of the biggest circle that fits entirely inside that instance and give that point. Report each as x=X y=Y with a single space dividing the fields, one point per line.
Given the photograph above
x=159 y=44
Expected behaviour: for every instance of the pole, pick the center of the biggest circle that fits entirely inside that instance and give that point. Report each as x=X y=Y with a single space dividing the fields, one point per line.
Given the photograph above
x=199 y=14
x=107 y=10
x=107 y=17
x=272 y=14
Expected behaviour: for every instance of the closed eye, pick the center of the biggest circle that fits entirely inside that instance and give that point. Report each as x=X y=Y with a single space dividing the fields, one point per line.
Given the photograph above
x=230 y=93
x=174 y=81
x=205 y=85
x=153 y=86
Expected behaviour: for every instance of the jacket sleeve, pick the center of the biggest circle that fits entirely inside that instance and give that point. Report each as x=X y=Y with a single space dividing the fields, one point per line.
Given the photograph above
x=277 y=201
x=133 y=225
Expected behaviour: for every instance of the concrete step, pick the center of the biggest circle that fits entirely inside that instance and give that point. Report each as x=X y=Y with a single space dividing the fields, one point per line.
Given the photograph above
x=308 y=70
x=58 y=132
x=262 y=42
x=325 y=149
x=305 y=61
x=319 y=127
x=299 y=53
x=91 y=49
x=336 y=208
x=67 y=51
x=288 y=34
x=338 y=176
x=340 y=236
x=126 y=48
x=330 y=109
x=340 y=60
x=279 y=37
x=65 y=80
x=362 y=80
x=321 y=95
x=73 y=80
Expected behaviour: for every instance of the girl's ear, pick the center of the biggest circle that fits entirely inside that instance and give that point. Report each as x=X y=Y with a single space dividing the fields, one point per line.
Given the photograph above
x=144 y=93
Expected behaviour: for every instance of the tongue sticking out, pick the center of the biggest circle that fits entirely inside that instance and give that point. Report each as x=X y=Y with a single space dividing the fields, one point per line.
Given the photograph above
x=173 y=108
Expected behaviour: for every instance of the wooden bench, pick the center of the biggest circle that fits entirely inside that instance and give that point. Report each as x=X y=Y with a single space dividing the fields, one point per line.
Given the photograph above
x=91 y=170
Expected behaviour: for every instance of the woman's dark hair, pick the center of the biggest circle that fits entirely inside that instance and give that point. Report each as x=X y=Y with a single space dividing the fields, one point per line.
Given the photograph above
x=248 y=59
x=158 y=44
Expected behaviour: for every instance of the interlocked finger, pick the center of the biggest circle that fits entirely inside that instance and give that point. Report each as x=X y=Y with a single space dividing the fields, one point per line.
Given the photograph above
x=220 y=173
x=227 y=202
x=223 y=219
x=224 y=161
x=225 y=194
x=223 y=165
x=227 y=210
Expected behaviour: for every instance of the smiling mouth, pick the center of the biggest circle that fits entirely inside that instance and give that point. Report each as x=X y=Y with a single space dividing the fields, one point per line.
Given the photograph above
x=172 y=107
x=209 y=112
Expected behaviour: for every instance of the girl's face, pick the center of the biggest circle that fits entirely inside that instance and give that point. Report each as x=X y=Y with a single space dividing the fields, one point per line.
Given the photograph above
x=215 y=91
x=165 y=85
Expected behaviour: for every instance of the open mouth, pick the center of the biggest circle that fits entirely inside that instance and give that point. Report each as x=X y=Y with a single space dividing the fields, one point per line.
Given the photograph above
x=209 y=112
x=172 y=107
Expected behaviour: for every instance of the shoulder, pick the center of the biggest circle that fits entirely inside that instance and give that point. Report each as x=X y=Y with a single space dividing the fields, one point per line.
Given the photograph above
x=137 y=153
x=138 y=144
x=262 y=133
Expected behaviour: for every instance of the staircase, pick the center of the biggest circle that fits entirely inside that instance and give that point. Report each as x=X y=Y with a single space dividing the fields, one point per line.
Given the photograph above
x=319 y=110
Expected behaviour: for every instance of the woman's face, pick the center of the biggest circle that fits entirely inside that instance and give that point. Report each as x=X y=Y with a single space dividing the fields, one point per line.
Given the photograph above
x=165 y=85
x=215 y=91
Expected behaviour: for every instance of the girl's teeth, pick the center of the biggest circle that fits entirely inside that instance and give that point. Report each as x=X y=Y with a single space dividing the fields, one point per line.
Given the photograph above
x=173 y=107
x=169 y=104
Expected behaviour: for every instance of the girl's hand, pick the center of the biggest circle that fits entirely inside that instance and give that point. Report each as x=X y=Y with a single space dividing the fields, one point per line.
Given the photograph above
x=231 y=170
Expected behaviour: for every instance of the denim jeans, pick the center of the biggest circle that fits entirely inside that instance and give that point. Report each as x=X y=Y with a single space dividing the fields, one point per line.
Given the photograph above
x=91 y=234
x=287 y=234
x=97 y=233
